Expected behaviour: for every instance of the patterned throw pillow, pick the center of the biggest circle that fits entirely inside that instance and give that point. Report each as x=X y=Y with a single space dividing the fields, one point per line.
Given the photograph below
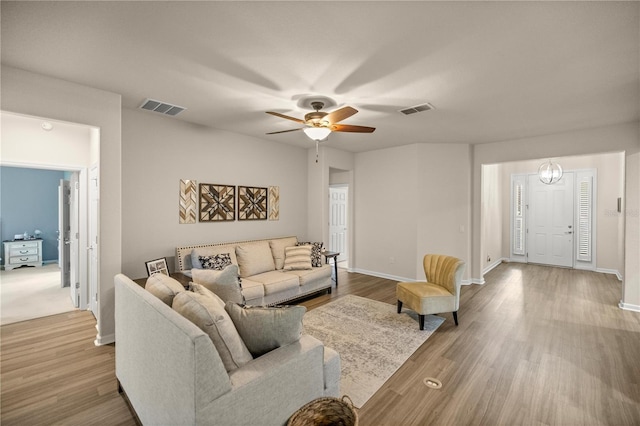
x=217 y=261
x=316 y=253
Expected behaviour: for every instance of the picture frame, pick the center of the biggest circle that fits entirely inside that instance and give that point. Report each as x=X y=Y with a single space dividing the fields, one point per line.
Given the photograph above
x=157 y=266
x=252 y=203
x=217 y=202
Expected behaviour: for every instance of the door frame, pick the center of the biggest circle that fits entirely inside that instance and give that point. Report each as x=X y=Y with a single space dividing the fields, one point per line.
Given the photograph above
x=579 y=174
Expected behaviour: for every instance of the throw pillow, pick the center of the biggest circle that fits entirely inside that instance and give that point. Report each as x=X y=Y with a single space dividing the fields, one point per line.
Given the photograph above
x=216 y=261
x=277 y=249
x=316 y=253
x=297 y=258
x=264 y=329
x=208 y=313
x=225 y=284
x=163 y=287
x=255 y=258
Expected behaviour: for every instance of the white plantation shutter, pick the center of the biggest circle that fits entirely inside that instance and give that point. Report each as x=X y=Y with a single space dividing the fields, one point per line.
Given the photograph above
x=585 y=201
x=518 y=206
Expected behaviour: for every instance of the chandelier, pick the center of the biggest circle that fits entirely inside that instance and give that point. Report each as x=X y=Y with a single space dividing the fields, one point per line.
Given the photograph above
x=549 y=172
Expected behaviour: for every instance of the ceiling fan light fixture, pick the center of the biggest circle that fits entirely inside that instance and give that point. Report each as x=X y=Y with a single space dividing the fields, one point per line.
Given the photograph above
x=317 y=133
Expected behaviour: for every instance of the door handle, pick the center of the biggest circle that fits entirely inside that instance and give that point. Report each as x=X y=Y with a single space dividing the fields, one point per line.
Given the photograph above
x=569 y=232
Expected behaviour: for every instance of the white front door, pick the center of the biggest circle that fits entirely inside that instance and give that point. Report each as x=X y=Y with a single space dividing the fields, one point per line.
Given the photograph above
x=338 y=198
x=64 y=194
x=550 y=224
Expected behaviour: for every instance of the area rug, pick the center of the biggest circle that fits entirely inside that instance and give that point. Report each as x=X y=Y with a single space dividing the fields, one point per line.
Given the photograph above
x=373 y=340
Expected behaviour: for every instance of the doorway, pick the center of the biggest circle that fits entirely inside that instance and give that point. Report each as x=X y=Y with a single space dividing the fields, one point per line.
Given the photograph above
x=338 y=220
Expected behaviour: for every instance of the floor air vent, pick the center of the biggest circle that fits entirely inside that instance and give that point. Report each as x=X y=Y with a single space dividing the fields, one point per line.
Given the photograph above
x=417 y=108
x=161 y=107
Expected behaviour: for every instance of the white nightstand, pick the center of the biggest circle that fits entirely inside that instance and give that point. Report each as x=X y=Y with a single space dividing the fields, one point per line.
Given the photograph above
x=22 y=252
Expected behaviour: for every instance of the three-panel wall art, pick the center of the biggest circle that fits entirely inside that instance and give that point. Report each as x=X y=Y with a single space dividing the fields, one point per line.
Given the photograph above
x=210 y=202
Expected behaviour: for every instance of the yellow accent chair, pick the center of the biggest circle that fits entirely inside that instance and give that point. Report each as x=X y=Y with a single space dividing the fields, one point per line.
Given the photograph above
x=440 y=293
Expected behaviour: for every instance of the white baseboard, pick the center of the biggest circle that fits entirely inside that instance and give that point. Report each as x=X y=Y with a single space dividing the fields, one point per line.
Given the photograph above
x=493 y=265
x=629 y=307
x=610 y=271
x=48 y=262
x=104 y=340
x=381 y=275
x=473 y=281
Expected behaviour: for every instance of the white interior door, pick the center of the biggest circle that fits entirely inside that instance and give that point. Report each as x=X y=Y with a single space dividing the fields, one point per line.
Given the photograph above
x=64 y=194
x=74 y=220
x=550 y=221
x=93 y=248
x=338 y=200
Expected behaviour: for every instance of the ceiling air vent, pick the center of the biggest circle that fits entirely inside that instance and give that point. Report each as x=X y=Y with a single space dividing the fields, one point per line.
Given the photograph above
x=417 y=108
x=161 y=107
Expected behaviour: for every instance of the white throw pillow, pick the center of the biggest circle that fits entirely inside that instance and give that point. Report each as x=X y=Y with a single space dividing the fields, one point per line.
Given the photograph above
x=277 y=249
x=225 y=284
x=208 y=313
x=297 y=257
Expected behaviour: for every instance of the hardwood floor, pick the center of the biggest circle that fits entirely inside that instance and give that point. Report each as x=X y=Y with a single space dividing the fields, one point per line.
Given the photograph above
x=535 y=345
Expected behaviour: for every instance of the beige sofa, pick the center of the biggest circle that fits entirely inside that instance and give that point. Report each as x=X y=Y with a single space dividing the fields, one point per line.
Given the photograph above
x=260 y=263
x=172 y=373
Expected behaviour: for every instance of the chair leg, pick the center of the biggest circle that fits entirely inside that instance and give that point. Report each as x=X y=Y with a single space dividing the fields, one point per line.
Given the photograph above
x=421 y=321
x=399 y=306
x=455 y=317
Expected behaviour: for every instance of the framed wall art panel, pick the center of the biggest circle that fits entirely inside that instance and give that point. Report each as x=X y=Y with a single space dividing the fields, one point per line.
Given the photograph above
x=217 y=202
x=252 y=203
x=188 y=201
x=274 y=203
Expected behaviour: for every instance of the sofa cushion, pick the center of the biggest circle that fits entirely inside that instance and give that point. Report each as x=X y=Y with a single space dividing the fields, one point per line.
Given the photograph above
x=225 y=283
x=208 y=313
x=316 y=253
x=277 y=249
x=215 y=261
x=313 y=275
x=297 y=257
x=212 y=251
x=266 y=328
x=276 y=281
x=252 y=290
x=163 y=287
x=254 y=258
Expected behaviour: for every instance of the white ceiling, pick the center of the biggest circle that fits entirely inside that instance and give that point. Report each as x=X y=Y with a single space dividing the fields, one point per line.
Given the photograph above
x=493 y=70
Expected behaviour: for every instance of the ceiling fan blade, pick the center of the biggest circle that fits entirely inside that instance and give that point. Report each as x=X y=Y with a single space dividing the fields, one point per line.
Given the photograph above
x=340 y=114
x=284 y=131
x=351 y=128
x=277 y=114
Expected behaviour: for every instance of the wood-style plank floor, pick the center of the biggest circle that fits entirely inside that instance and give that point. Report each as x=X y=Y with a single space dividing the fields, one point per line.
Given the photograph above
x=535 y=346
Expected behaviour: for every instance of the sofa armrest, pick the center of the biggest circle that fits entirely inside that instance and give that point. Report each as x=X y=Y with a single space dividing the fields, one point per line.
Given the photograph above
x=270 y=388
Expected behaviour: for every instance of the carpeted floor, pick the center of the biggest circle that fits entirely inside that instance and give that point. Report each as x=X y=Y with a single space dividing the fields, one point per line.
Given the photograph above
x=27 y=293
x=373 y=340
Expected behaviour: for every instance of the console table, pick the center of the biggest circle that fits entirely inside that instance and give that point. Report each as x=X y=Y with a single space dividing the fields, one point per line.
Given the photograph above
x=19 y=253
x=332 y=255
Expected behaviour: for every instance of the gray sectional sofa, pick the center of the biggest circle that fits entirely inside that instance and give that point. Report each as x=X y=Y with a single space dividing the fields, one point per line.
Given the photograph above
x=261 y=262
x=172 y=373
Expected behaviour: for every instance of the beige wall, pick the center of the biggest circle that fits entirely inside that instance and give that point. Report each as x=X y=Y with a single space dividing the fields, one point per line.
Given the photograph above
x=42 y=96
x=410 y=201
x=493 y=215
x=158 y=151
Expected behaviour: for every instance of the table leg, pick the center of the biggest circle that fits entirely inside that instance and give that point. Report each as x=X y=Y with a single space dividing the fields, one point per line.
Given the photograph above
x=335 y=267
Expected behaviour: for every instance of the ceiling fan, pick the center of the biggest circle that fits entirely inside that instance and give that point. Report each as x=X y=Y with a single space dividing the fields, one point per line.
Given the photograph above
x=319 y=124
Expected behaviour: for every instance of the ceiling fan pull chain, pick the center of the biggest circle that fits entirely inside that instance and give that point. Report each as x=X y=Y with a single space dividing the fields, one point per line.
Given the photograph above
x=316 y=151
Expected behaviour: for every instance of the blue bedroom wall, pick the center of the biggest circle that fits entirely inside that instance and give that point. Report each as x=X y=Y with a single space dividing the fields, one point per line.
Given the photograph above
x=29 y=201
